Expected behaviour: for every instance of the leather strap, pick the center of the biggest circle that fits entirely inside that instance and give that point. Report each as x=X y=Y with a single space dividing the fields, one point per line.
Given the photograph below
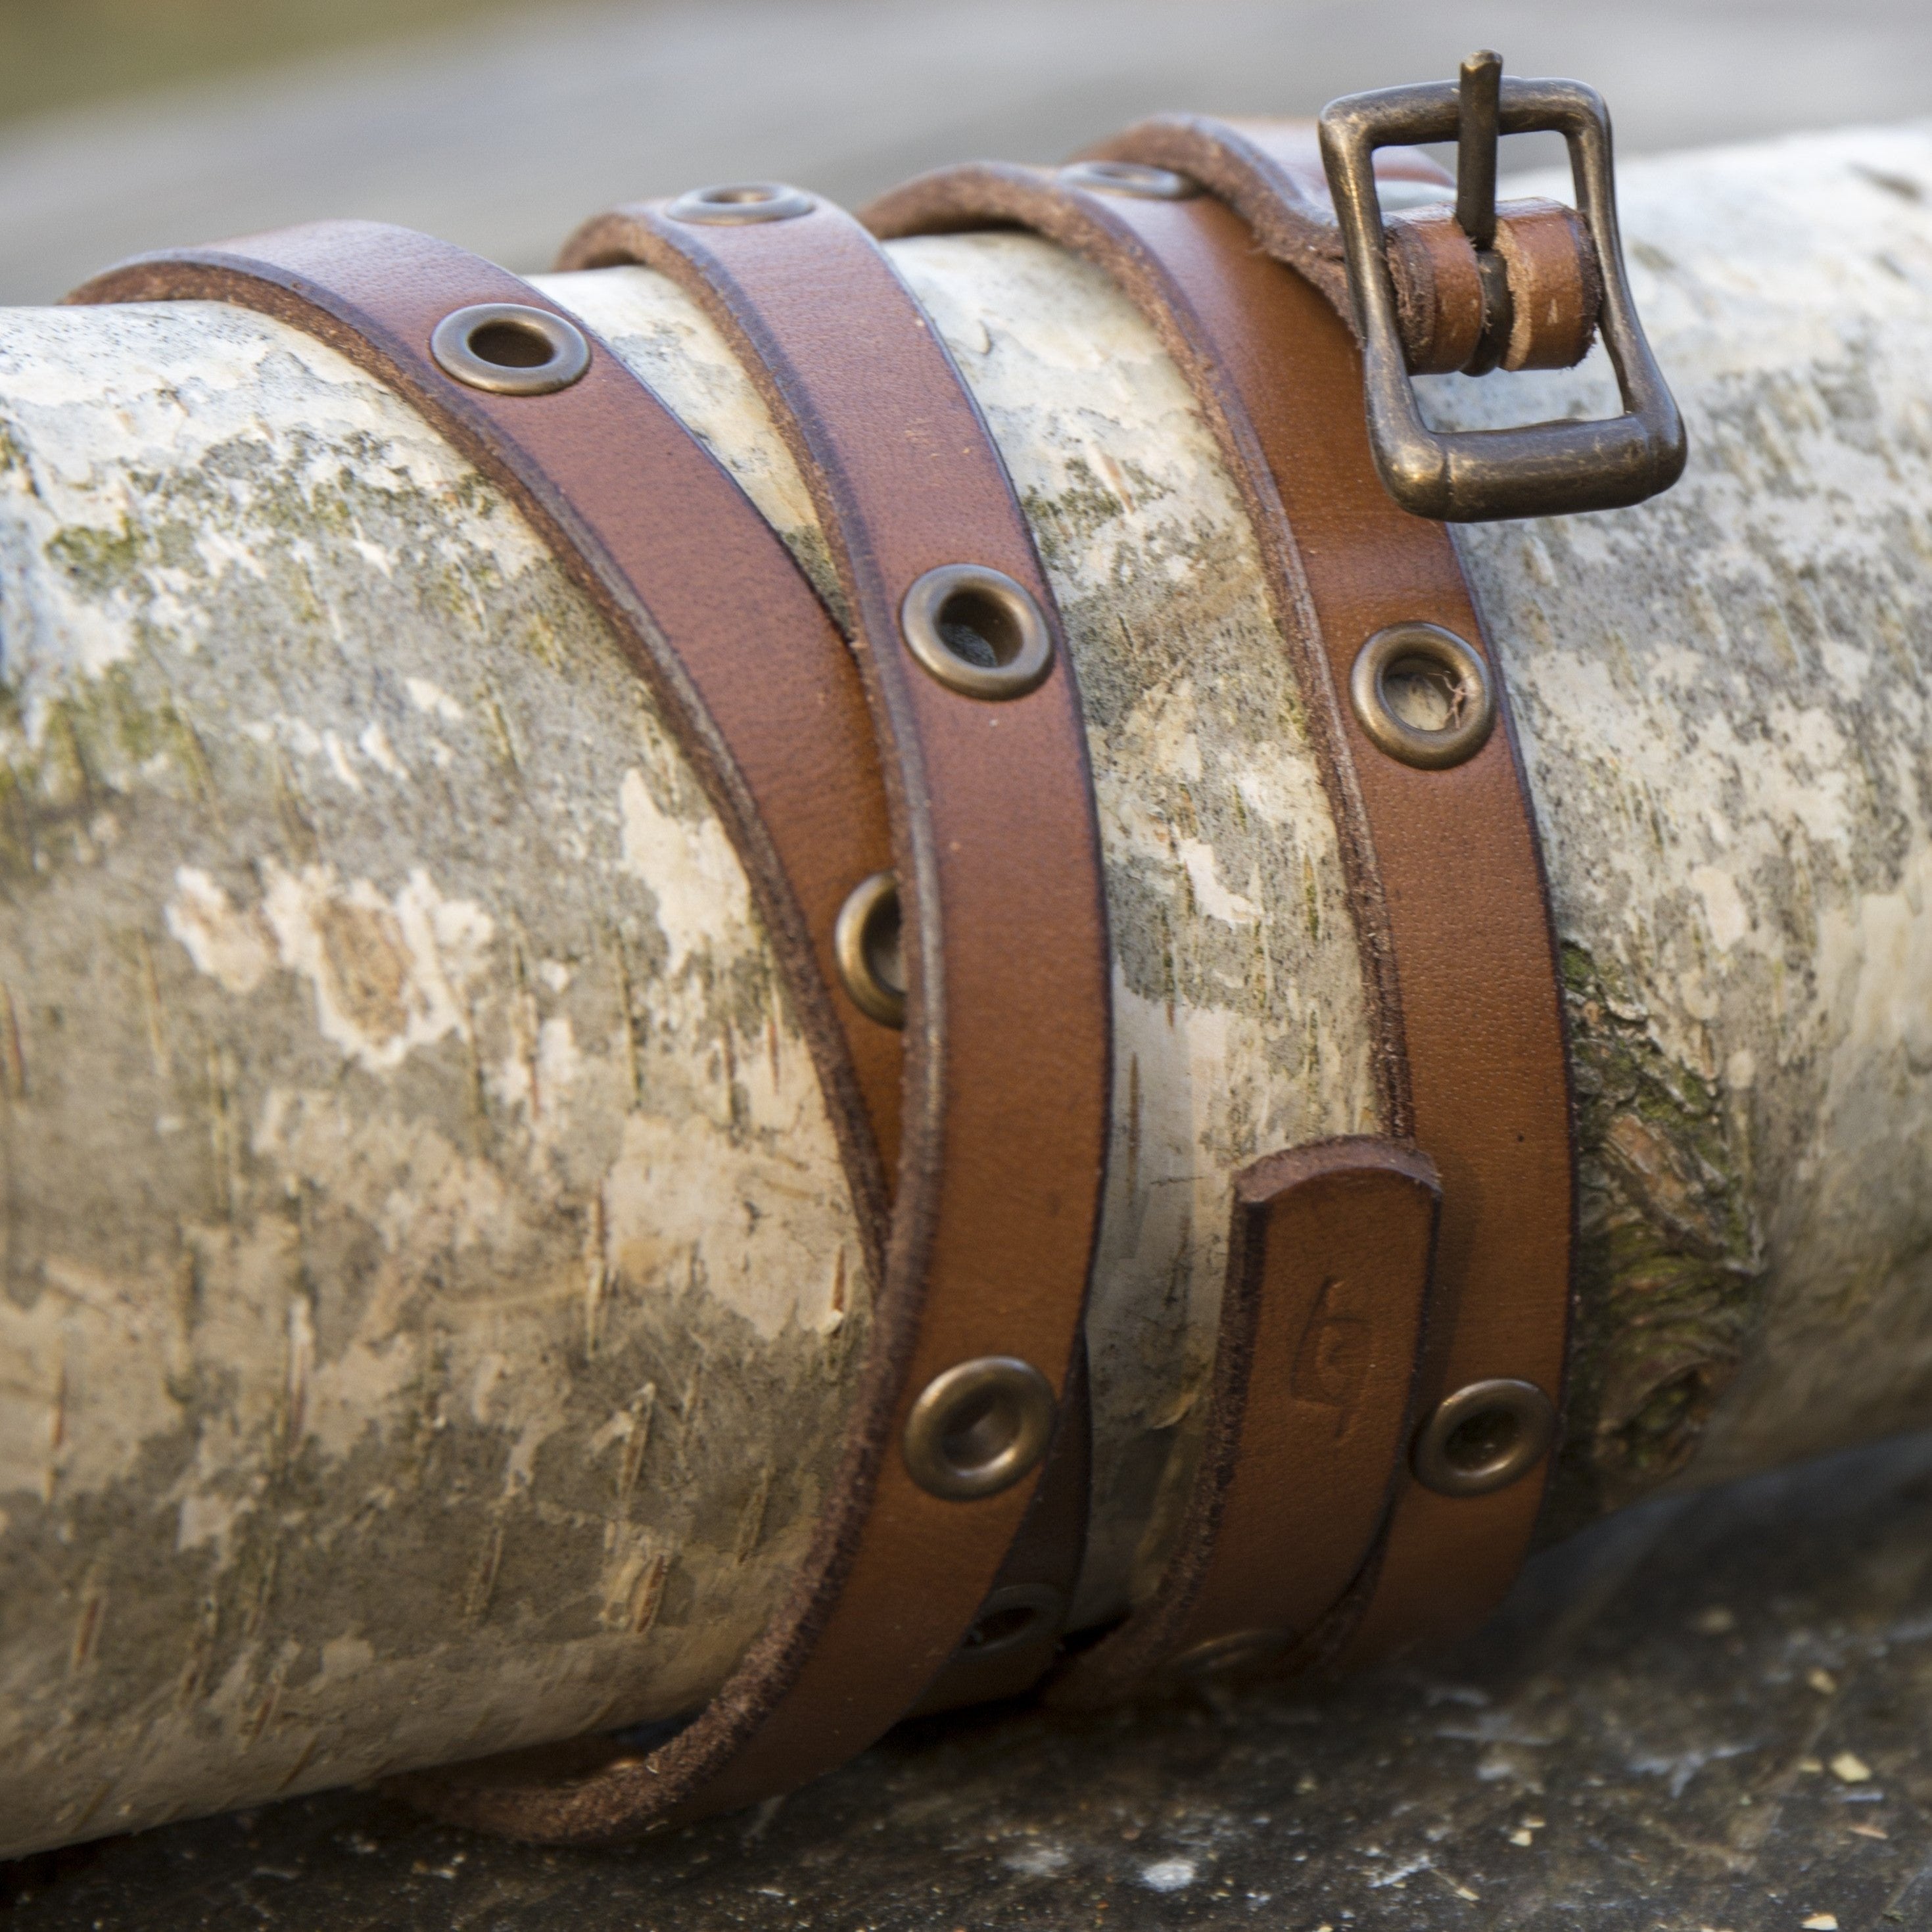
x=1270 y=173
x=1309 y=1413
x=752 y=677
x=1007 y=1039
x=1459 y=960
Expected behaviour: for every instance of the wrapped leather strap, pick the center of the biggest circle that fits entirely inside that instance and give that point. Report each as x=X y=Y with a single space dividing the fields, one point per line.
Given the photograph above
x=1270 y=173
x=1459 y=957
x=1007 y=1038
x=753 y=677
x=765 y=698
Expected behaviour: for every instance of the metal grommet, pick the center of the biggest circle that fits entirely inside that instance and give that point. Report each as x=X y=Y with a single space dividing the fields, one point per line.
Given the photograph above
x=510 y=348
x=1130 y=178
x=979 y=1428
x=1012 y=1618
x=1428 y=655
x=734 y=204
x=1484 y=1438
x=866 y=945
x=977 y=630
x=1222 y=1656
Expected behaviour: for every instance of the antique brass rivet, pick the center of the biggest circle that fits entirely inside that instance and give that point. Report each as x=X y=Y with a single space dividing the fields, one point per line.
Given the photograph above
x=977 y=1428
x=734 y=204
x=510 y=348
x=977 y=630
x=1484 y=1438
x=1443 y=676
x=1130 y=178
x=1012 y=1618
x=1222 y=1656
x=865 y=943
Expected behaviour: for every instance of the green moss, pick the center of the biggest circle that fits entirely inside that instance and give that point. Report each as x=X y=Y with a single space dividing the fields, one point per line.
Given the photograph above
x=1669 y=1269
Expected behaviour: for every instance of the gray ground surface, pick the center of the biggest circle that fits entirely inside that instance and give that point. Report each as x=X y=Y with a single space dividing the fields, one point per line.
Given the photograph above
x=1708 y=1713
x=504 y=137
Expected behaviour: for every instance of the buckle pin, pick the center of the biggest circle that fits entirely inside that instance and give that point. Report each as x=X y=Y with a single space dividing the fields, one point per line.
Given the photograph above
x=1478 y=134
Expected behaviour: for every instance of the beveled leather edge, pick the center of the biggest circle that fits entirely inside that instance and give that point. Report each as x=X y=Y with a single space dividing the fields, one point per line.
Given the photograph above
x=1142 y=1652
x=1284 y=200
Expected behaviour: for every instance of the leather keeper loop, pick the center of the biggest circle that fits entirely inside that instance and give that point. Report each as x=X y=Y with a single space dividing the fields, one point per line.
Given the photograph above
x=1556 y=285
x=1270 y=173
x=1007 y=1047
x=1459 y=962
x=1439 y=291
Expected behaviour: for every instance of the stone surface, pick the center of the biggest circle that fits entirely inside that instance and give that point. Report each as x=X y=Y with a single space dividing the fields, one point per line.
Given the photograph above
x=1708 y=1712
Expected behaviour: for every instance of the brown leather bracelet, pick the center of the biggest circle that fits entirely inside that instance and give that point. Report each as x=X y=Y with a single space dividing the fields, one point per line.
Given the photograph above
x=1007 y=980
x=1270 y=173
x=1436 y=827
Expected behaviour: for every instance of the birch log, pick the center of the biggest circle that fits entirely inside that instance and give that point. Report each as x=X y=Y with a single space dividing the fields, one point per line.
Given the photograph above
x=431 y=1291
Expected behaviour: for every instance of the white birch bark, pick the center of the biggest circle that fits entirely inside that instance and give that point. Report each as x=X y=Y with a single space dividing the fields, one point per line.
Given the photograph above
x=430 y=1288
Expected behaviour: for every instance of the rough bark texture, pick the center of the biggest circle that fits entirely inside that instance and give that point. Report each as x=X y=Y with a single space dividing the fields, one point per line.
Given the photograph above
x=1239 y=1020
x=1725 y=698
x=429 y=1284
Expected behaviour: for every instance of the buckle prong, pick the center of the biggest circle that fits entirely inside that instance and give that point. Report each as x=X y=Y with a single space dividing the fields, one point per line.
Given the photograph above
x=1541 y=469
x=1478 y=133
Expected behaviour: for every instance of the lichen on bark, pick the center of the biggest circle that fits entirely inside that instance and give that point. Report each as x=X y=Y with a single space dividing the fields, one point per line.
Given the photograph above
x=430 y=1288
x=1723 y=697
x=1670 y=1263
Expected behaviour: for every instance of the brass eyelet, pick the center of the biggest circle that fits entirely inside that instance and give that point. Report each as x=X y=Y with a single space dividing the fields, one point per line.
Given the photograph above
x=738 y=204
x=1484 y=1438
x=977 y=631
x=865 y=946
x=979 y=1428
x=510 y=348
x=1438 y=652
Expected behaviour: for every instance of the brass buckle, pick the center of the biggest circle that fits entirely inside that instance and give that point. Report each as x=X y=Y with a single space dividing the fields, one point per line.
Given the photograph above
x=1541 y=469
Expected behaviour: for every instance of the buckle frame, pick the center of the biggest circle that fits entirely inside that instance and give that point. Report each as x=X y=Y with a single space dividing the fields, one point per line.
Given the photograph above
x=1540 y=469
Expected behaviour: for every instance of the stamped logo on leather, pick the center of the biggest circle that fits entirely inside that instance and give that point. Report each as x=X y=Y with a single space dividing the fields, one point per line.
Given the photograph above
x=1336 y=1351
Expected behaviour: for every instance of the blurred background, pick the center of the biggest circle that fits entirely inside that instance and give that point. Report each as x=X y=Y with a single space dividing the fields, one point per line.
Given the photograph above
x=127 y=124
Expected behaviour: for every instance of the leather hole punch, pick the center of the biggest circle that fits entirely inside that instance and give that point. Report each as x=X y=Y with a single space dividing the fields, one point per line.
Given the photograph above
x=1484 y=1438
x=977 y=631
x=510 y=348
x=866 y=944
x=979 y=1428
x=1423 y=696
x=736 y=204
